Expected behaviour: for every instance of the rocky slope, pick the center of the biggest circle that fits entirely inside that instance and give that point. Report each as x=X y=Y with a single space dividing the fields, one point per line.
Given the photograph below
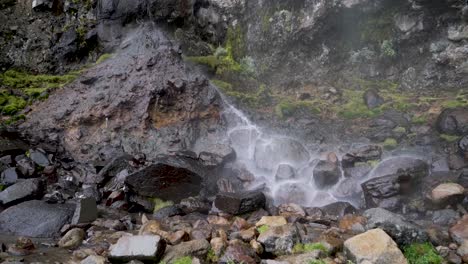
x=119 y=142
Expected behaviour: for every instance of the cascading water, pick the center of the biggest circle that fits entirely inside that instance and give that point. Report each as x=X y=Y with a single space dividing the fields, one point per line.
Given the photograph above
x=284 y=167
x=267 y=156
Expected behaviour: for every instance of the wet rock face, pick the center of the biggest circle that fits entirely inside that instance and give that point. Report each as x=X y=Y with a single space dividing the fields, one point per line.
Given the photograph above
x=280 y=150
x=143 y=100
x=453 y=121
x=165 y=182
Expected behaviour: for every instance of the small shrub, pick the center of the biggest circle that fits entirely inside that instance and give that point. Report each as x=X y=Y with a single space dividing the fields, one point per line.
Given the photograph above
x=399 y=130
x=211 y=257
x=422 y=254
x=159 y=204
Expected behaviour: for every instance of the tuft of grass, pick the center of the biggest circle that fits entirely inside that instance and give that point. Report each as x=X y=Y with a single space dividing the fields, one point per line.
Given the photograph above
x=390 y=143
x=262 y=229
x=183 y=260
x=423 y=253
x=449 y=138
x=103 y=58
x=309 y=247
x=224 y=86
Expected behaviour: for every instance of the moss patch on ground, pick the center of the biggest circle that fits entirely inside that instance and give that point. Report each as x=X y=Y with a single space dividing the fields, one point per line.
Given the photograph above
x=309 y=247
x=19 y=88
x=424 y=253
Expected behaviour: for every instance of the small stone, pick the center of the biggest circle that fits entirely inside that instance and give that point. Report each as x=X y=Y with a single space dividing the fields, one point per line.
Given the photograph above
x=285 y=172
x=279 y=240
x=26 y=167
x=291 y=209
x=447 y=193
x=39 y=157
x=326 y=174
x=271 y=221
x=9 y=176
x=72 y=239
x=144 y=248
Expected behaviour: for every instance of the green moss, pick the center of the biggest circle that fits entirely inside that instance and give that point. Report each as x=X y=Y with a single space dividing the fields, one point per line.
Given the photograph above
x=309 y=247
x=390 y=143
x=224 y=86
x=449 y=138
x=355 y=106
x=288 y=108
x=103 y=58
x=399 y=130
x=22 y=80
x=420 y=119
x=378 y=27
x=159 y=203
x=262 y=229
x=211 y=256
x=424 y=253
x=454 y=103
x=183 y=260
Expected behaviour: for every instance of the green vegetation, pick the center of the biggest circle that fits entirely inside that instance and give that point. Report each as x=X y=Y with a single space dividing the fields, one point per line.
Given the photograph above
x=401 y=130
x=211 y=256
x=422 y=254
x=449 y=138
x=262 y=229
x=387 y=50
x=159 y=203
x=355 y=106
x=390 y=143
x=309 y=247
x=317 y=261
x=378 y=27
x=420 y=119
x=184 y=260
x=287 y=108
x=103 y=58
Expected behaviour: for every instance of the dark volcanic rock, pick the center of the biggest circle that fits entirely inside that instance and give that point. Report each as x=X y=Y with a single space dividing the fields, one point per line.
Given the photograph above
x=453 y=121
x=146 y=109
x=85 y=212
x=36 y=219
x=361 y=154
x=413 y=166
x=21 y=191
x=9 y=176
x=240 y=203
x=372 y=99
x=165 y=181
x=401 y=230
x=339 y=209
x=326 y=174
x=39 y=157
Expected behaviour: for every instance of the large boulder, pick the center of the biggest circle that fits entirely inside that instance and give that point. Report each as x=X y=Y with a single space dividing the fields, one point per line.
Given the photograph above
x=417 y=168
x=285 y=172
x=240 y=203
x=361 y=154
x=36 y=219
x=373 y=246
x=170 y=178
x=144 y=99
x=144 y=248
x=21 y=191
x=453 y=121
x=401 y=230
x=326 y=174
x=279 y=240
